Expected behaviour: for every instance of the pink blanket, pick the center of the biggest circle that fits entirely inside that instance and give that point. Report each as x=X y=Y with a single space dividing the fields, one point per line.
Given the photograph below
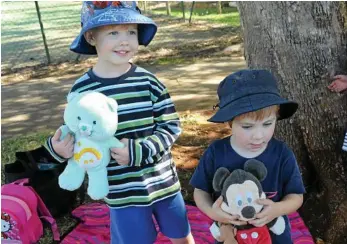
x=94 y=227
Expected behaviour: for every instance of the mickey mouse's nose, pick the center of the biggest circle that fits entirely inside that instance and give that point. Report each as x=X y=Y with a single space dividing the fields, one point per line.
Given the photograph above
x=248 y=212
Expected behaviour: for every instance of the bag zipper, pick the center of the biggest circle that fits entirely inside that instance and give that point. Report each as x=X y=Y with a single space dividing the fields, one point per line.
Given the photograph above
x=23 y=204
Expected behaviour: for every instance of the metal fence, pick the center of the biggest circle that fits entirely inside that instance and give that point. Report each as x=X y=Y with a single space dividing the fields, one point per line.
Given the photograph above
x=21 y=38
x=35 y=33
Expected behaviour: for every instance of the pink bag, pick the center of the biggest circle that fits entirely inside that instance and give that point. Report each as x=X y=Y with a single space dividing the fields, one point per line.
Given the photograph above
x=21 y=212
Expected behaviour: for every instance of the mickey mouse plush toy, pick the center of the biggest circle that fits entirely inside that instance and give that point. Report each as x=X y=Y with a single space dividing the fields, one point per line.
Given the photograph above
x=240 y=190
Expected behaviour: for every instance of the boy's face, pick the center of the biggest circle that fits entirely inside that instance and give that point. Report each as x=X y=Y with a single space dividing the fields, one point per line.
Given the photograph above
x=115 y=44
x=253 y=135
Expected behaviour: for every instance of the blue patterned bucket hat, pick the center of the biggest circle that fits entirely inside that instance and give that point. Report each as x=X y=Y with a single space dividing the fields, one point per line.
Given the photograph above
x=247 y=91
x=101 y=13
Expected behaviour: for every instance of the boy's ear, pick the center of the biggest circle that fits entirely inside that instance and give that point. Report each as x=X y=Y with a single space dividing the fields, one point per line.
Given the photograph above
x=89 y=38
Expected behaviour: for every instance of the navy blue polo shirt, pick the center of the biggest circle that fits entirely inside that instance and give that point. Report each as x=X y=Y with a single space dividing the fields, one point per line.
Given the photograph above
x=283 y=175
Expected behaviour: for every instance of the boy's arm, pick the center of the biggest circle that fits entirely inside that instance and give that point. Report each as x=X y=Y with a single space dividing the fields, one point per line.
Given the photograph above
x=212 y=209
x=293 y=190
x=166 y=131
x=204 y=202
x=49 y=147
x=290 y=203
x=293 y=187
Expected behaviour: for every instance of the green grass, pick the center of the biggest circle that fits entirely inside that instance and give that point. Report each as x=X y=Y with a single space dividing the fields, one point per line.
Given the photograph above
x=22 y=143
x=230 y=16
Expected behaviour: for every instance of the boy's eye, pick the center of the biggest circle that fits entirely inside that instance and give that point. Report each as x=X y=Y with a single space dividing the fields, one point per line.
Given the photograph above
x=267 y=124
x=133 y=32
x=114 y=33
x=246 y=127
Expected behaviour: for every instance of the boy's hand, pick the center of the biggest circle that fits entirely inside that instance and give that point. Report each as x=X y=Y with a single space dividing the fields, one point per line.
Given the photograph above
x=227 y=234
x=339 y=84
x=269 y=212
x=223 y=217
x=121 y=155
x=64 y=148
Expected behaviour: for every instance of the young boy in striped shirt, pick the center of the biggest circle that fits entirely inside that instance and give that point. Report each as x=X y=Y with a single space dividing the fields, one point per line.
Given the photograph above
x=142 y=177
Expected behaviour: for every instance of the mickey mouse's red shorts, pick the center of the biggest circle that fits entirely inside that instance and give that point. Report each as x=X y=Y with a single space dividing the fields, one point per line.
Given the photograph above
x=256 y=235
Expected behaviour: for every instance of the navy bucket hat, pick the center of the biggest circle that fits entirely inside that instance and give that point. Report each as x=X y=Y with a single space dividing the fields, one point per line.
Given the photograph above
x=247 y=91
x=100 y=13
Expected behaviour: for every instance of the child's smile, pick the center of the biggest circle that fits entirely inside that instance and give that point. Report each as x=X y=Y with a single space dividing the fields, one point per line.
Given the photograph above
x=123 y=53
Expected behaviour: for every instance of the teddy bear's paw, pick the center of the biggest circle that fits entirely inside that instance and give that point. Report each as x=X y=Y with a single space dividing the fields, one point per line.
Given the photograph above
x=97 y=192
x=279 y=226
x=70 y=182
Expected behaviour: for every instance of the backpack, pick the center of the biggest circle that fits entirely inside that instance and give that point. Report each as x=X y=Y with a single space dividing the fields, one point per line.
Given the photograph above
x=21 y=212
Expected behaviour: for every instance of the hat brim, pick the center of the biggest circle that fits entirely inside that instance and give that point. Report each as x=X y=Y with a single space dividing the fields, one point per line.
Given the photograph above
x=253 y=103
x=146 y=30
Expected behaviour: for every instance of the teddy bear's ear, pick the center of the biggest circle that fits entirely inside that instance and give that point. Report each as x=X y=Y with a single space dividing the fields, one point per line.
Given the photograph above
x=71 y=96
x=112 y=104
x=256 y=168
x=219 y=178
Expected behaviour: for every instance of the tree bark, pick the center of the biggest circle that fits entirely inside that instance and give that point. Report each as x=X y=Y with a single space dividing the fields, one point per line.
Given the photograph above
x=304 y=45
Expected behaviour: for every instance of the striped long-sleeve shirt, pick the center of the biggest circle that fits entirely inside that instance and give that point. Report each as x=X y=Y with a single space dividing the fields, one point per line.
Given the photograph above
x=147 y=117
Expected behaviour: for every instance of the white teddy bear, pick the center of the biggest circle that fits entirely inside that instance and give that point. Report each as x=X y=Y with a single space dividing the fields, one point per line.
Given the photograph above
x=93 y=119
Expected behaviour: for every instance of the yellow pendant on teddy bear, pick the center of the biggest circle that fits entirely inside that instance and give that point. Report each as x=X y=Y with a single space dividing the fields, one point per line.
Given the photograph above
x=87 y=157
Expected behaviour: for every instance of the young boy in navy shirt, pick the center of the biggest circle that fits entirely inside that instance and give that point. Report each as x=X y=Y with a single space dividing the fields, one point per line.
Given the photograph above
x=251 y=104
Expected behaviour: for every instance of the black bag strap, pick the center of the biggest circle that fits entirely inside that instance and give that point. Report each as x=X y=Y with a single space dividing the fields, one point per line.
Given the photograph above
x=27 y=161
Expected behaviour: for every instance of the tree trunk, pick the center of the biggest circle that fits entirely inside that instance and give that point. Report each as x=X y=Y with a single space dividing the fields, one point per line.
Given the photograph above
x=168 y=8
x=191 y=12
x=219 y=7
x=183 y=11
x=304 y=45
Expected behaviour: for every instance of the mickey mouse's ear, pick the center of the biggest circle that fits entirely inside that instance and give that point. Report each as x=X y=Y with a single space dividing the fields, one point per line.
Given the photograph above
x=219 y=178
x=256 y=168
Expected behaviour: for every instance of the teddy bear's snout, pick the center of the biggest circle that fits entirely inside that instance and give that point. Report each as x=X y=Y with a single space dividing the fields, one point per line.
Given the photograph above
x=248 y=212
x=85 y=129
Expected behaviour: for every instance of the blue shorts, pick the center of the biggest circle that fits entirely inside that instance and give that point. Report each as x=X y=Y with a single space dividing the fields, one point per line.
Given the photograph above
x=132 y=225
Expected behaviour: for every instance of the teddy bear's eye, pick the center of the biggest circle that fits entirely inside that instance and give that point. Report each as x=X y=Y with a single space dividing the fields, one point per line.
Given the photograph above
x=78 y=117
x=94 y=122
